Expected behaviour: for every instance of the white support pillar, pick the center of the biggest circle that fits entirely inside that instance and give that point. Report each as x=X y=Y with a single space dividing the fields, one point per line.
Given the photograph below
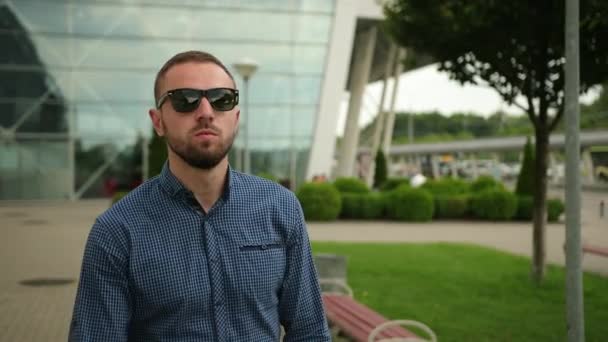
x=390 y=119
x=380 y=117
x=588 y=167
x=474 y=166
x=435 y=166
x=350 y=142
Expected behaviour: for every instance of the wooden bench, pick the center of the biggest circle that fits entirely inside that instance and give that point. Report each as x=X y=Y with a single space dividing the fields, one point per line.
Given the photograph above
x=362 y=324
x=601 y=251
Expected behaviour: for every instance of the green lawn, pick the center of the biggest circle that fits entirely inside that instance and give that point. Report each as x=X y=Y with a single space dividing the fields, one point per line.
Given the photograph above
x=468 y=293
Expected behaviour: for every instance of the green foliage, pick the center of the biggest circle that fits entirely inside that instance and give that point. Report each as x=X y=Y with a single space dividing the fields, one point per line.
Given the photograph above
x=494 y=204
x=394 y=183
x=409 y=204
x=269 y=176
x=555 y=207
x=452 y=206
x=483 y=183
x=525 y=206
x=525 y=180
x=456 y=276
x=320 y=201
x=118 y=195
x=447 y=186
x=380 y=173
x=362 y=206
x=157 y=155
x=351 y=185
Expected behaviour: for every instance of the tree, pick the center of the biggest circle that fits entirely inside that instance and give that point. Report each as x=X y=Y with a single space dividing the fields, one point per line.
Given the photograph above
x=380 y=173
x=516 y=47
x=525 y=180
x=157 y=155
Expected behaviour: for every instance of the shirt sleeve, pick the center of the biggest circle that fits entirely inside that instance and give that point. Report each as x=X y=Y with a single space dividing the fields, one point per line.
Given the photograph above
x=301 y=307
x=102 y=308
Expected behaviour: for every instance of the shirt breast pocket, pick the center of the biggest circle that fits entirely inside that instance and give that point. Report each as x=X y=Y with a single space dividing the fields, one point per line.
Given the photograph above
x=262 y=263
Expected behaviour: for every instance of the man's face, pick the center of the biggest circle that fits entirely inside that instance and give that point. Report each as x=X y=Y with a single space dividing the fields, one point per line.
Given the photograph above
x=203 y=137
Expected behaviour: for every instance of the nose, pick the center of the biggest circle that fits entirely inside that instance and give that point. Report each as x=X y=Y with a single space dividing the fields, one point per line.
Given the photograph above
x=204 y=110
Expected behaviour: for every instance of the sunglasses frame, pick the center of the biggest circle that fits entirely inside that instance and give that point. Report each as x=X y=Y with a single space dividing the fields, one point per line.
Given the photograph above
x=203 y=93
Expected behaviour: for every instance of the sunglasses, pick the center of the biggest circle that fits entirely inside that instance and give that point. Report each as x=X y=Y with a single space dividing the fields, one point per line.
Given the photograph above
x=187 y=100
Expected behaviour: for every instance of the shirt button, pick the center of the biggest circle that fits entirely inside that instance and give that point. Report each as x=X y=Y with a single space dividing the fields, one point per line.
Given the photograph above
x=218 y=303
x=264 y=246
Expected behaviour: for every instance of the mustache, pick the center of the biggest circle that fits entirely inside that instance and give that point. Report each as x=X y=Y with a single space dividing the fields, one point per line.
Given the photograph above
x=210 y=127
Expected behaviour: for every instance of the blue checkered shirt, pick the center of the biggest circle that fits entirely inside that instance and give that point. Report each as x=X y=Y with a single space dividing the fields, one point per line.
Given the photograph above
x=156 y=267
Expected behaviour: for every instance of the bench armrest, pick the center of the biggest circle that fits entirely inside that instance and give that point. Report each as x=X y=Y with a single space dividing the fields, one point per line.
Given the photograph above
x=407 y=323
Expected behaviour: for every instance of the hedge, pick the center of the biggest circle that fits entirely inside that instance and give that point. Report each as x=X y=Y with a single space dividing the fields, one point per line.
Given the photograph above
x=494 y=204
x=409 y=204
x=393 y=183
x=484 y=183
x=452 y=206
x=351 y=185
x=367 y=206
x=320 y=201
x=555 y=208
x=447 y=186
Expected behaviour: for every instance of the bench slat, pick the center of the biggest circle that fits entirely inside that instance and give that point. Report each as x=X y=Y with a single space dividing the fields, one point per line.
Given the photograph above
x=595 y=250
x=369 y=317
x=357 y=320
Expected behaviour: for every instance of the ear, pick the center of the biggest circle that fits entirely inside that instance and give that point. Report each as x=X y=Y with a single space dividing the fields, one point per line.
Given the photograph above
x=238 y=116
x=157 y=122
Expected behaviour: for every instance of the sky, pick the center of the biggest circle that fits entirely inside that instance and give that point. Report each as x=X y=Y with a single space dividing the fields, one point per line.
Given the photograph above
x=427 y=89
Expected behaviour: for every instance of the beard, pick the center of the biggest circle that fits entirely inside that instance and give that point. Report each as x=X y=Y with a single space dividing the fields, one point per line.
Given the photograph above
x=201 y=155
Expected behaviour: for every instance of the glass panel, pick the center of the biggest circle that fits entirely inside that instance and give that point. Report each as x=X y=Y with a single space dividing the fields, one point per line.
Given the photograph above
x=179 y=22
x=266 y=122
x=112 y=120
x=313 y=28
x=121 y=165
x=307 y=89
x=309 y=58
x=267 y=89
x=303 y=118
x=36 y=170
x=316 y=5
x=39 y=16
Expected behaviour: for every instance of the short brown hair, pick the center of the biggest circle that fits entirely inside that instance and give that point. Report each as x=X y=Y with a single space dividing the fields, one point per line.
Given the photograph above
x=185 y=57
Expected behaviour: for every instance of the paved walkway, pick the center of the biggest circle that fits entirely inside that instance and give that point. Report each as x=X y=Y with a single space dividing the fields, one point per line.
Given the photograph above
x=46 y=240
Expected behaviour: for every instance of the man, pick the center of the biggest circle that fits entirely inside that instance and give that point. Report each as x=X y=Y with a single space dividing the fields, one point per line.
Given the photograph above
x=200 y=252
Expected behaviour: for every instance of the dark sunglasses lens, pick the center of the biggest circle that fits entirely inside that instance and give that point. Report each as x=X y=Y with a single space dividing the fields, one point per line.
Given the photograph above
x=185 y=100
x=222 y=99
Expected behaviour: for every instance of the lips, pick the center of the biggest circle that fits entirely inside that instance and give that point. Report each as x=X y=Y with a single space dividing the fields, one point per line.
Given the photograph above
x=205 y=133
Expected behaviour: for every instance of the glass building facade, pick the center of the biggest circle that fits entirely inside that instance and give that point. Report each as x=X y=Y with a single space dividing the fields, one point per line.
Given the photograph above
x=76 y=80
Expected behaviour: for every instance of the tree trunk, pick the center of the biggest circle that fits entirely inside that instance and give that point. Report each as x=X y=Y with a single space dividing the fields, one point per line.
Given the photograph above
x=540 y=202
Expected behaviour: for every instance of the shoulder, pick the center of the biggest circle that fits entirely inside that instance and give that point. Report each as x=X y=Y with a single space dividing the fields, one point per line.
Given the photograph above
x=263 y=189
x=116 y=221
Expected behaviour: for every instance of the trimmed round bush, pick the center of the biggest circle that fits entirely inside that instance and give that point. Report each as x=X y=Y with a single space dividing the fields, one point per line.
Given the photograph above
x=484 y=183
x=351 y=185
x=555 y=207
x=447 y=186
x=494 y=204
x=409 y=204
x=362 y=206
x=452 y=206
x=394 y=183
x=525 y=208
x=320 y=201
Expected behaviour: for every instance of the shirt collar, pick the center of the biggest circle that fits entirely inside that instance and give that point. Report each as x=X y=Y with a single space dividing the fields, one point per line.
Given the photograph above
x=175 y=188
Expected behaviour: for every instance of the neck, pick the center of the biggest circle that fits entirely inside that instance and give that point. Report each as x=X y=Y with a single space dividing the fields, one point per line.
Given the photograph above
x=206 y=185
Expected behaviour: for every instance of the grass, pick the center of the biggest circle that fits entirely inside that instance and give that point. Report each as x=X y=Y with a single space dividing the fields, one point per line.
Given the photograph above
x=468 y=293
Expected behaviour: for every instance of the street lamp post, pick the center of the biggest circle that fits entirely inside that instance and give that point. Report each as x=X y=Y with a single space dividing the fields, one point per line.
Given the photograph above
x=246 y=67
